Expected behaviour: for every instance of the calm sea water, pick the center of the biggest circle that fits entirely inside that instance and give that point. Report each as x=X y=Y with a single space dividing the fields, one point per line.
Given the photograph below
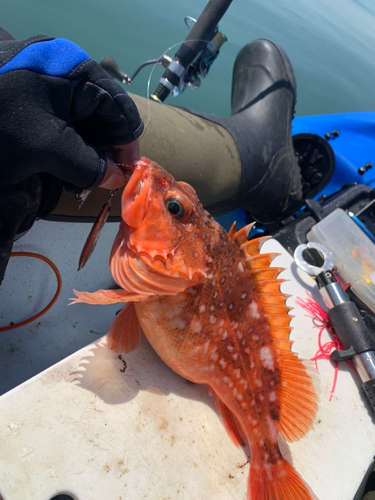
x=331 y=43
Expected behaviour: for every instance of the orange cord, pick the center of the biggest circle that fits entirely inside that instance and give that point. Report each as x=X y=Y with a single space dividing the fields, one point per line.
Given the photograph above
x=56 y=296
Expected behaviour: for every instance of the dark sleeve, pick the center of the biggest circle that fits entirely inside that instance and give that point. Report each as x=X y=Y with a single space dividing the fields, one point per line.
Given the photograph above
x=57 y=107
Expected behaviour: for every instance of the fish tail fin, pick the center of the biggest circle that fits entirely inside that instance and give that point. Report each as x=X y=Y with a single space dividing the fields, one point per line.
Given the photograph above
x=278 y=481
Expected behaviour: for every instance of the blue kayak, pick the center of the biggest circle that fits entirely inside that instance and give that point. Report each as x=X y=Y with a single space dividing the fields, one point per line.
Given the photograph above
x=354 y=147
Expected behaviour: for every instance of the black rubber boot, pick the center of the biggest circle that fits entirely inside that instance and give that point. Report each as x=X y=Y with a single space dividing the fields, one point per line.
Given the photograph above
x=263 y=100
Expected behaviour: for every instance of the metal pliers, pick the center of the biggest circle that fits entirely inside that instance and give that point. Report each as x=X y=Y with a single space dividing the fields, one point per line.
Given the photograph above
x=358 y=343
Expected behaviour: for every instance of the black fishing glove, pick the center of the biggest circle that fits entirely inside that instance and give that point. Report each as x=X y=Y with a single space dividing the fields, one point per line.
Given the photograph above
x=57 y=107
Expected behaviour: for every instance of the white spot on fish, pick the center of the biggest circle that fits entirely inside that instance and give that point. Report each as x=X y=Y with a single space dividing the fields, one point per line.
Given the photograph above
x=228 y=381
x=213 y=283
x=222 y=363
x=273 y=396
x=239 y=397
x=272 y=427
x=230 y=273
x=258 y=382
x=254 y=310
x=266 y=357
x=247 y=350
x=244 y=405
x=235 y=392
x=225 y=335
x=261 y=397
x=252 y=364
x=222 y=281
x=212 y=308
x=216 y=294
x=240 y=267
x=213 y=319
x=235 y=356
x=195 y=254
x=176 y=275
x=239 y=334
x=243 y=296
x=230 y=306
x=206 y=347
x=237 y=372
x=180 y=325
x=230 y=348
x=255 y=337
x=268 y=469
x=221 y=322
x=214 y=356
x=202 y=308
x=210 y=276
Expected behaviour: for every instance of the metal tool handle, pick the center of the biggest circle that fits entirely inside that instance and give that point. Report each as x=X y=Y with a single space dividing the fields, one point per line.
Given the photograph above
x=351 y=330
x=357 y=341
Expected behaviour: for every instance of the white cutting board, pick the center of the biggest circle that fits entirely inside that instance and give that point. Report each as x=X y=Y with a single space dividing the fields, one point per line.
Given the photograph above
x=86 y=428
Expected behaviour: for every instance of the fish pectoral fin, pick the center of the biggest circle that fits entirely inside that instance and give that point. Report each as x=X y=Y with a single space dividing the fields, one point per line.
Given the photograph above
x=106 y=297
x=124 y=333
x=230 y=421
x=277 y=480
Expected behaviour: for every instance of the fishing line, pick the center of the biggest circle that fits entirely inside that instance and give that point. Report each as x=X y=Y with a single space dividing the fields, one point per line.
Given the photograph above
x=55 y=297
x=151 y=73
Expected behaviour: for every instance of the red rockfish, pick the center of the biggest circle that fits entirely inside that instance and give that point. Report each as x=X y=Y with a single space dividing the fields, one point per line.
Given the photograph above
x=210 y=305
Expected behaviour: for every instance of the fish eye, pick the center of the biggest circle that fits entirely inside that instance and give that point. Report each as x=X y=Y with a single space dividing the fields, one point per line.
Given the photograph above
x=176 y=207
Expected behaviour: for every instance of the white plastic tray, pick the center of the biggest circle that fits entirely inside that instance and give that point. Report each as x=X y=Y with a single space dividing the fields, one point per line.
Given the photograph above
x=86 y=428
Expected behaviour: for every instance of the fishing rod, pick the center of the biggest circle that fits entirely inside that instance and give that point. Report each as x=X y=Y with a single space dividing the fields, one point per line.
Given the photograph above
x=193 y=59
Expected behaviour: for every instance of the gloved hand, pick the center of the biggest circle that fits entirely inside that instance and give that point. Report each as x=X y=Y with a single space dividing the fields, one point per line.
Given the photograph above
x=63 y=121
x=58 y=108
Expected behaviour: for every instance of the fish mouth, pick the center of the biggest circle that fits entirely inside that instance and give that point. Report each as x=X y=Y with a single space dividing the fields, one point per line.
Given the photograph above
x=135 y=196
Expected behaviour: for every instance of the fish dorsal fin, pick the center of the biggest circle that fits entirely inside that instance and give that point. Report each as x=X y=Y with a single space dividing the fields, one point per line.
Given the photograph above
x=298 y=395
x=124 y=333
x=230 y=421
x=242 y=235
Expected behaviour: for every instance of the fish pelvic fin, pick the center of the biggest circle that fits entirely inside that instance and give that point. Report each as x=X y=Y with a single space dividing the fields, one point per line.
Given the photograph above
x=278 y=481
x=124 y=333
x=230 y=421
x=105 y=297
